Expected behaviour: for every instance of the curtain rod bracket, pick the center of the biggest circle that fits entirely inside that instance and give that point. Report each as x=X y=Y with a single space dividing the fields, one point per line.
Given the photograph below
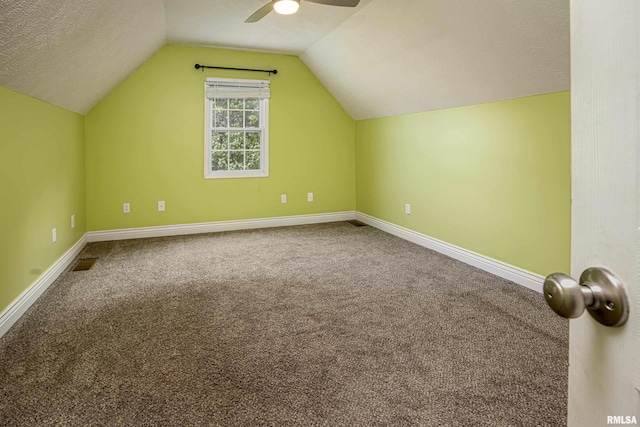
x=274 y=71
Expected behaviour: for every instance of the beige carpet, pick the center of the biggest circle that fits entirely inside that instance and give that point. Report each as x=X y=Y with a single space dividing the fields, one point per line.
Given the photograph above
x=324 y=325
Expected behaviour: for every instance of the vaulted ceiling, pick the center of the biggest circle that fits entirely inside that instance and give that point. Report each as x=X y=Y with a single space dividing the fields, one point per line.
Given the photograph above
x=71 y=53
x=221 y=23
x=398 y=57
x=381 y=58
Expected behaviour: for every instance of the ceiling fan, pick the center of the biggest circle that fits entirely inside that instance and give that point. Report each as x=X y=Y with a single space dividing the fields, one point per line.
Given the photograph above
x=288 y=7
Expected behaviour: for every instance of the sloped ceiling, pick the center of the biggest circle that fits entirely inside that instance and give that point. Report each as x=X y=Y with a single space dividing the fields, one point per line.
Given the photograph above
x=71 y=53
x=221 y=23
x=379 y=59
x=397 y=57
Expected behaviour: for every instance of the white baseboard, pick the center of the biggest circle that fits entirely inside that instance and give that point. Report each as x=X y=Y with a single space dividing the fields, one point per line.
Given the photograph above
x=506 y=271
x=213 y=227
x=21 y=304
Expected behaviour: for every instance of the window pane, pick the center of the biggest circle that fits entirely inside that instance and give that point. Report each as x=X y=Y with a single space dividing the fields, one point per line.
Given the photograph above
x=253 y=140
x=236 y=140
x=219 y=161
x=235 y=119
x=236 y=103
x=219 y=140
x=251 y=104
x=220 y=104
x=221 y=119
x=235 y=128
x=236 y=160
x=252 y=119
x=253 y=160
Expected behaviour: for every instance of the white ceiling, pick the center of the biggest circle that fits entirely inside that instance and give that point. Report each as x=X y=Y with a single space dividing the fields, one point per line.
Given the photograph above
x=379 y=59
x=221 y=23
x=407 y=56
x=71 y=53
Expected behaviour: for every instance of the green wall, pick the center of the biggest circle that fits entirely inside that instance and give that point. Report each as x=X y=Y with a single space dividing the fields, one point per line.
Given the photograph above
x=42 y=185
x=492 y=178
x=145 y=142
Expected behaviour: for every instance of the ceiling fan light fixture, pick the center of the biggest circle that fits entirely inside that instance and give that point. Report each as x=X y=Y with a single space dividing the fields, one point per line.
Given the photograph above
x=286 y=7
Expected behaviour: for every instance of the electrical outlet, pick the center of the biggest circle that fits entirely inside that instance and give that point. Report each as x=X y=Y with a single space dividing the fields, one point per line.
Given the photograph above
x=73 y=221
x=309 y=197
x=283 y=198
x=160 y=205
x=54 y=235
x=126 y=208
x=407 y=209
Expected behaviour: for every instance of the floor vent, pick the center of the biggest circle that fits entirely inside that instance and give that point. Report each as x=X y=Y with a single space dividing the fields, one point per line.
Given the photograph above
x=357 y=223
x=84 y=264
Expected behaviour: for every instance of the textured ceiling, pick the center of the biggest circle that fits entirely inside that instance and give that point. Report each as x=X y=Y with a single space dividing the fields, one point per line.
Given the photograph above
x=221 y=23
x=71 y=53
x=407 y=56
x=379 y=59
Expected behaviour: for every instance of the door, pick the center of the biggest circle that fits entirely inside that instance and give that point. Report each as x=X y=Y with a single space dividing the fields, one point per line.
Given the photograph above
x=604 y=372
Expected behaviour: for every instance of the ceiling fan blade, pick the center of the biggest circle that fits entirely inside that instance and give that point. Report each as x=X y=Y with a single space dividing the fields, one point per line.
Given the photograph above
x=344 y=3
x=260 y=13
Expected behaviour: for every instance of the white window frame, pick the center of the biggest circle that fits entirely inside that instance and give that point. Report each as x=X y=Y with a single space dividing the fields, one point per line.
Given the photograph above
x=264 y=134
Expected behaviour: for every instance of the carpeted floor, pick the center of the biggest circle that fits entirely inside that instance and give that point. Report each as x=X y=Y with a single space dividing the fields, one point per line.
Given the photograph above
x=323 y=325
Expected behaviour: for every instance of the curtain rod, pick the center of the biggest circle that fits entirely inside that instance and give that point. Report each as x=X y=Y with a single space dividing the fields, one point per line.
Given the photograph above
x=198 y=66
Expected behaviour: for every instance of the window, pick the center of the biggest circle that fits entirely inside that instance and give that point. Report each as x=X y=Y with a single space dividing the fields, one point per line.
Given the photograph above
x=236 y=128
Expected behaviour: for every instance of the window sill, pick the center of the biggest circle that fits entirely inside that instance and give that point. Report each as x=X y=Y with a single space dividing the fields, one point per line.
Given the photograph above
x=239 y=174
